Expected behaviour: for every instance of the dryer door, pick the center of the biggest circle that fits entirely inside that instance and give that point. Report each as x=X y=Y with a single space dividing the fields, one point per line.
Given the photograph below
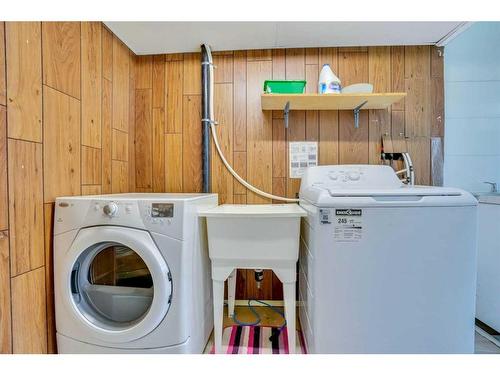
x=117 y=283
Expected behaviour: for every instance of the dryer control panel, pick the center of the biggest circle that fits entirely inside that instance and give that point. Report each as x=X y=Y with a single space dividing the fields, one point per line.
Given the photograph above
x=155 y=216
x=159 y=215
x=168 y=214
x=162 y=210
x=111 y=209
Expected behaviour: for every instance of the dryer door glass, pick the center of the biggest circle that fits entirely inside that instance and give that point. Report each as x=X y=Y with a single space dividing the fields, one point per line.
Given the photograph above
x=112 y=285
x=119 y=266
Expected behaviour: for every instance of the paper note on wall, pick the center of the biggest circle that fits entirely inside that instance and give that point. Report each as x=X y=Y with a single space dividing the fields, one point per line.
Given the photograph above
x=301 y=156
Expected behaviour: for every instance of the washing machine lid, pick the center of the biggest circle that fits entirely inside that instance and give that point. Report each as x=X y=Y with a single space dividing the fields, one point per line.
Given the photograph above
x=370 y=186
x=116 y=283
x=401 y=191
x=421 y=196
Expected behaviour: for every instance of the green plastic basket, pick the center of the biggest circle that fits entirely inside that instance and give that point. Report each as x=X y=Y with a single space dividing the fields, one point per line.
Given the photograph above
x=284 y=87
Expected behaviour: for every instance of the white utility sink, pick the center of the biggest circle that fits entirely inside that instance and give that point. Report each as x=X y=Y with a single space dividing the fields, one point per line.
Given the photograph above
x=253 y=237
x=254 y=232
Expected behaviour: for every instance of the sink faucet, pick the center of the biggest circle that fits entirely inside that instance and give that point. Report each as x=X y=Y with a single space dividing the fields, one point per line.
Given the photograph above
x=494 y=188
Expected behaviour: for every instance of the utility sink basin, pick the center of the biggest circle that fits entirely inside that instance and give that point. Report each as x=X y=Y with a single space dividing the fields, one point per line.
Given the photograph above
x=254 y=232
x=258 y=237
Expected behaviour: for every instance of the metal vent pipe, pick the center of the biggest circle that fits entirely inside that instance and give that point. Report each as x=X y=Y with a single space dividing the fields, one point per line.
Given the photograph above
x=207 y=116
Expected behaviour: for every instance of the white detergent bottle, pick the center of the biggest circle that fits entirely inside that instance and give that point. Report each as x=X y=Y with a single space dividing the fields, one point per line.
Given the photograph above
x=328 y=82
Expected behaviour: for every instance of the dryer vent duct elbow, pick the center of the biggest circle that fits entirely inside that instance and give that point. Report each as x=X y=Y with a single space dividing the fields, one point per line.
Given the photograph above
x=208 y=124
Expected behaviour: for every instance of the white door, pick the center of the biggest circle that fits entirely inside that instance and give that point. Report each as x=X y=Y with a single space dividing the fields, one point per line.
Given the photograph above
x=116 y=283
x=488 y=263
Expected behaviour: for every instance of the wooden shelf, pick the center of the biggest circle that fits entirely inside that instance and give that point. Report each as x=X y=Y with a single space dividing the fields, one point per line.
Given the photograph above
x=330 y=101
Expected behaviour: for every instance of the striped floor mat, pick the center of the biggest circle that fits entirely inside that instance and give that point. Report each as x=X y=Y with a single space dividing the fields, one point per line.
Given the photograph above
x=255 y=340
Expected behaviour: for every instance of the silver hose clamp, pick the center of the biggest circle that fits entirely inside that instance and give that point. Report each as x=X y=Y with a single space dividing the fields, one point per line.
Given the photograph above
x=211 y=122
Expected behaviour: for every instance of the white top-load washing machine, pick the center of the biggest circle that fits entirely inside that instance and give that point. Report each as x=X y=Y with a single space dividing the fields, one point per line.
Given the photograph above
x=132 y=273
x=385 y=267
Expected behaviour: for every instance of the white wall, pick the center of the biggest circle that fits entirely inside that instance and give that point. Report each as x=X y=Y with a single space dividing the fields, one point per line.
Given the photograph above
x=472 y=108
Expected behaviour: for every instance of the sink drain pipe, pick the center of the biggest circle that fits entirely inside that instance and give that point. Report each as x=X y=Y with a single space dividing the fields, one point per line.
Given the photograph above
x=208 y=124
x=206 y=113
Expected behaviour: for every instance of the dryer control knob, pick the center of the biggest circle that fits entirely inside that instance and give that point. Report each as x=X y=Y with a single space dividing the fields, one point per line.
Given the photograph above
x=110 y=209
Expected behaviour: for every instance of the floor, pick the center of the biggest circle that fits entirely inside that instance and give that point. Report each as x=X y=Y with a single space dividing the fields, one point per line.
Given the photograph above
x=270 y=318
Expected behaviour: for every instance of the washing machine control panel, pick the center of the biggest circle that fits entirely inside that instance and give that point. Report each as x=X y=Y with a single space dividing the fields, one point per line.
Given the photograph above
x=327 y=178
x=345 y=176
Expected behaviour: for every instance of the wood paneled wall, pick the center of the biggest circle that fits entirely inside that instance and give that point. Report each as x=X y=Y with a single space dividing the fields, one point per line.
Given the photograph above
x=66 y=128
x=255 y=142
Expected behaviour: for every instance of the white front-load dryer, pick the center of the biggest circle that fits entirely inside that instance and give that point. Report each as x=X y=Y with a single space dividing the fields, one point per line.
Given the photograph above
x=132 y=273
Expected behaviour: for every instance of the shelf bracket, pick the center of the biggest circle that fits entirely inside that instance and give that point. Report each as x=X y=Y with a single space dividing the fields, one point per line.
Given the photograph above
x=286 y=112
x=356 y=114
